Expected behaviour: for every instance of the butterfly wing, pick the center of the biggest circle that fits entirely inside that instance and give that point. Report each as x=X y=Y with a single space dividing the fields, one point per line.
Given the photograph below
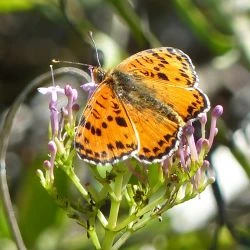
x=158 y=133
x=105 y=133
x=170 y=77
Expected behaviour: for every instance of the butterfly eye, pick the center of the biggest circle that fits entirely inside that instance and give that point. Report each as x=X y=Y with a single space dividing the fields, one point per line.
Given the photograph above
x=99 y=75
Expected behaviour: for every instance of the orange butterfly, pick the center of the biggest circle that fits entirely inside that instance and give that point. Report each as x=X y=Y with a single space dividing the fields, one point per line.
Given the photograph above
x=139 y=108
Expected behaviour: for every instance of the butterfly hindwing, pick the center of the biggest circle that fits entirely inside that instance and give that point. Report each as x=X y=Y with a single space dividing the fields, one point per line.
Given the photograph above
x=158 y=134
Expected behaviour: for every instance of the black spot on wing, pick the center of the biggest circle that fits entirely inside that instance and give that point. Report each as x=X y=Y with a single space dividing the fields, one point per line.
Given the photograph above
x=194 y=104
x=164 y=62
x=79 y=146
x=155 y=149
x=87 y=125
x=184 y=75
x=96 y=154
x=179 y=58
x=161 y=65
x=167 y=137
x=103 y=154
x=121 y=121
x=98 y=132
x=104 y=125
x=92 y=130
x=138 y=61
x=103 y=97
x=119 y=145
x=100 y=105
x=146 y=150
x=110 y=146
x=88 y=151
x=156 y=55
x=96 y=114
x=117 y=111
x=115 y=105
x=110 y=118
x=162 y=76
x=160 y=143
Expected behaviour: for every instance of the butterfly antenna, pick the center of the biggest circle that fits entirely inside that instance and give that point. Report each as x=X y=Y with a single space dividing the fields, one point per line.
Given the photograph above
x=94 y=44
x=52 y=75
x=70 y=62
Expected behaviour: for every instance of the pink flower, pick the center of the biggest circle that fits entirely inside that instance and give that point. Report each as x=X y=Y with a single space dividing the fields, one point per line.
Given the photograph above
x=54 y=120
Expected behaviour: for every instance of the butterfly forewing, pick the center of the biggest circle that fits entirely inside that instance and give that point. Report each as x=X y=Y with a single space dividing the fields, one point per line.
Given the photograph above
x=169 y=76
x=105 y=133
x=163 y=63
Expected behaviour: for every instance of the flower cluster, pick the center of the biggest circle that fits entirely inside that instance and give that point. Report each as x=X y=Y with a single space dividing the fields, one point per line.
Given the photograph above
x=57 y=119
x=147 y=191
x=191 y=156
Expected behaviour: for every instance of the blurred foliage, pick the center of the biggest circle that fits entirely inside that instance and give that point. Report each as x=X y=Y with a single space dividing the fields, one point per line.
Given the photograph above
x=213 y=33
x=15 y=5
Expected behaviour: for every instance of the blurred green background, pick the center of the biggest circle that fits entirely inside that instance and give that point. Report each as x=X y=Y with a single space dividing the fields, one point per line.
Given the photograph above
x=214 y=33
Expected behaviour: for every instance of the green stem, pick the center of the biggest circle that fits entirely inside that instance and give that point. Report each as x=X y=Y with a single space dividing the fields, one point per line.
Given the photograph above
x=77 y=183
x=108 y=239
x=102 y=218
x=113 y=215
x=121 y=240
x=92 y=234
x=85 y=194
x=141 y=212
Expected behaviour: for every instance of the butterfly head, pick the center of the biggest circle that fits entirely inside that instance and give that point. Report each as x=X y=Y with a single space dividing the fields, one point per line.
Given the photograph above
x=99 y=74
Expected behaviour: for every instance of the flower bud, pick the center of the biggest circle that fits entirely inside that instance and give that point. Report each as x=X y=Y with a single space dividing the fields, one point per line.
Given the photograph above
x=47 y=164
x=217 y=111
x=206 y=164
x=52 y=147
x=188 y=130
x=68 y=90
x=199 y=144
x=203 y=118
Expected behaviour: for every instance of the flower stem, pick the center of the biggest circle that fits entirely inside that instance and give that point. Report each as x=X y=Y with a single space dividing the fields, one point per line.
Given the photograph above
x=113 y=215
x=92 y=234
x=121 y=240
x=77 y=183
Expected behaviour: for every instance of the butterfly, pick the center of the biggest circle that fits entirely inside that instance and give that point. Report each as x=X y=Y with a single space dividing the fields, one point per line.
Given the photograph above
x=139 y=108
